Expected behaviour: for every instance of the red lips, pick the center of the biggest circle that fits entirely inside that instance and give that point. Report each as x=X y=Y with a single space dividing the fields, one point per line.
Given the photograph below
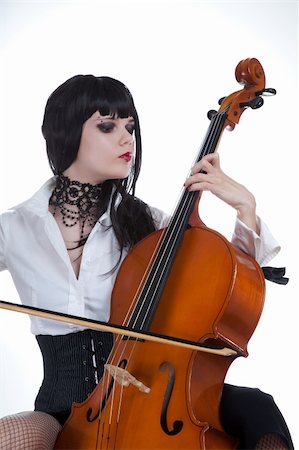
x=126 y=156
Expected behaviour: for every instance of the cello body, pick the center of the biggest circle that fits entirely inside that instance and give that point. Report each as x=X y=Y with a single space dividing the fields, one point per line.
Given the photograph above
x=201 y=302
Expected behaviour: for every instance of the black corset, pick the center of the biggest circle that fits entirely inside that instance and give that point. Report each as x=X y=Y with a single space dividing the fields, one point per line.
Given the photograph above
x=73 y=365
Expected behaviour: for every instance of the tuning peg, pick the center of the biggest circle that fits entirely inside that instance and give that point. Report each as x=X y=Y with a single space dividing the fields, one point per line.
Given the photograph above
x=220 y=101
x=266 y=92
x=253 y=104
x=211 y=114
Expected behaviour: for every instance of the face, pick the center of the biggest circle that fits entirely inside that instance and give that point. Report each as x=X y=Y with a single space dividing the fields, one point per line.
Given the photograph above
x=106 y=150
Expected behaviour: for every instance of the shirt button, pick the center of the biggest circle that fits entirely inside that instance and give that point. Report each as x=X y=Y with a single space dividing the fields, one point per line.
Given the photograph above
x=86 y=378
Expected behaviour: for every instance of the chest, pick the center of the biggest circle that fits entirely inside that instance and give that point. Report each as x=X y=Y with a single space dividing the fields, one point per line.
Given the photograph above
x=72 y=238
x=40 y=251
x=44 y=270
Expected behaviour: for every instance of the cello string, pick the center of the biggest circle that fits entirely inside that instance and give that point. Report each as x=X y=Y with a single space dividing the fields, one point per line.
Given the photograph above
x=170 y=239
x=161 y=254
x=111 y=412
x=204 y=150
x=102 y=403
x=112 y=404
x=177 y=215
x=177 y=219
x=104 y=422
x=107 y=421
x=115 y=406
x=213 y=129
x=172 y=234
x=118 y=413
x=103 y=415
x=173 y=231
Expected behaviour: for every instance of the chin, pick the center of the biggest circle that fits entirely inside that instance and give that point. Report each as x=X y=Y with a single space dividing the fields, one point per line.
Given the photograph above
x=121 y=175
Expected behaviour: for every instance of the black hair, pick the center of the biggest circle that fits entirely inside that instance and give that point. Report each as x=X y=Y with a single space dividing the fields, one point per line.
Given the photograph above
x=67 y=109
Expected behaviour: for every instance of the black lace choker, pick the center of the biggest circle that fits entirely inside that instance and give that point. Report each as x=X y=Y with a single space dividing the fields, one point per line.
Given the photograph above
x=77 y=202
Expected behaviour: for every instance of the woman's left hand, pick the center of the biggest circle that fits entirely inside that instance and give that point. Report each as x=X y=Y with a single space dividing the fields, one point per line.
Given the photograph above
x=208 y=176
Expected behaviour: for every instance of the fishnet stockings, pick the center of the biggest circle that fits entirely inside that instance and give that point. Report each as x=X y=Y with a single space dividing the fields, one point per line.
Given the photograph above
x=271 y=441
x=38 y=431
x=32 y=430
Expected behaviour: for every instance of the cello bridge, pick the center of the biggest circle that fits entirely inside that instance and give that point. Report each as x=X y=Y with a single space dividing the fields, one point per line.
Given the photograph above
x=124 y=378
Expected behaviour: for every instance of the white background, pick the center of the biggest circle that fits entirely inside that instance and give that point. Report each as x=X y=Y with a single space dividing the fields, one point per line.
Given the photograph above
x=178 y=58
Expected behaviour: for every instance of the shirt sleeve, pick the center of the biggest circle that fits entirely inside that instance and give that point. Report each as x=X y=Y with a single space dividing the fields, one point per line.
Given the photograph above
x=161 y=219
x=262 y=247
x=2 y=248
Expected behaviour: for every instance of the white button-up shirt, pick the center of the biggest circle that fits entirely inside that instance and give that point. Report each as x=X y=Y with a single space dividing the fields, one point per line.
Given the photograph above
x=33 y=250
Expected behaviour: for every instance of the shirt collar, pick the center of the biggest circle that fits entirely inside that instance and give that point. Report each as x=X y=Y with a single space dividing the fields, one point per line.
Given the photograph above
x=39 y=202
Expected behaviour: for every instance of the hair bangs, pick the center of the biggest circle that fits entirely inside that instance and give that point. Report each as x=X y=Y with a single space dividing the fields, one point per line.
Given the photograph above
x=112 y=98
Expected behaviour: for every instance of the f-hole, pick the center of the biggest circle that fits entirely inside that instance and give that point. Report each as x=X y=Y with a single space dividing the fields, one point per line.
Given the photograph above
x=177 y=424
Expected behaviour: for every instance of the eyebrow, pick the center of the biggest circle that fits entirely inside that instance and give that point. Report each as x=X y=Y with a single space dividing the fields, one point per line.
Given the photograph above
x=103 y=118
x=131 y=119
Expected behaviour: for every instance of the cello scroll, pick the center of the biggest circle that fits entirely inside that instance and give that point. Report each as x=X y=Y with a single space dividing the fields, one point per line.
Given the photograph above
x=250 y=73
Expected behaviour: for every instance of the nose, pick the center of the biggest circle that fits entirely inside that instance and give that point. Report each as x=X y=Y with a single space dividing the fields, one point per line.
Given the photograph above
x=126 y=138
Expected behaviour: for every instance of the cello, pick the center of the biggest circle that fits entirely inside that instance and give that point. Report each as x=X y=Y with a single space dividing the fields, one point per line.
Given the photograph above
x=184 y=281
x=189 y=283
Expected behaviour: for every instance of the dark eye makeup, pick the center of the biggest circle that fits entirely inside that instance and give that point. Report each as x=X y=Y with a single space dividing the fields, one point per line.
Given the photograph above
x=130 y=128
x=107 y=127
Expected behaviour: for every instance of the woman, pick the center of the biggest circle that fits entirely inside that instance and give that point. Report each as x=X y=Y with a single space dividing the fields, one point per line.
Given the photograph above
x=71 y=238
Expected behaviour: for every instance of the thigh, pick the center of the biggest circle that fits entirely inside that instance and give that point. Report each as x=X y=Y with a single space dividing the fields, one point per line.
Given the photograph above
x=28 y=430
x=248 y=414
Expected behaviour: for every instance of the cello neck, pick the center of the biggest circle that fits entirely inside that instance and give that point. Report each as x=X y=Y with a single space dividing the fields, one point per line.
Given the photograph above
x=187 y=200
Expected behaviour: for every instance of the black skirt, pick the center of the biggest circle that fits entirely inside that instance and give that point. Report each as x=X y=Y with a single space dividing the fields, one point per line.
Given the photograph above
x=248 y=414
x=74 y=363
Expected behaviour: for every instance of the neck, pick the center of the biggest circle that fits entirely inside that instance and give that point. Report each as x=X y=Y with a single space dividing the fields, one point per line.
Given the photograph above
x=82 y=177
